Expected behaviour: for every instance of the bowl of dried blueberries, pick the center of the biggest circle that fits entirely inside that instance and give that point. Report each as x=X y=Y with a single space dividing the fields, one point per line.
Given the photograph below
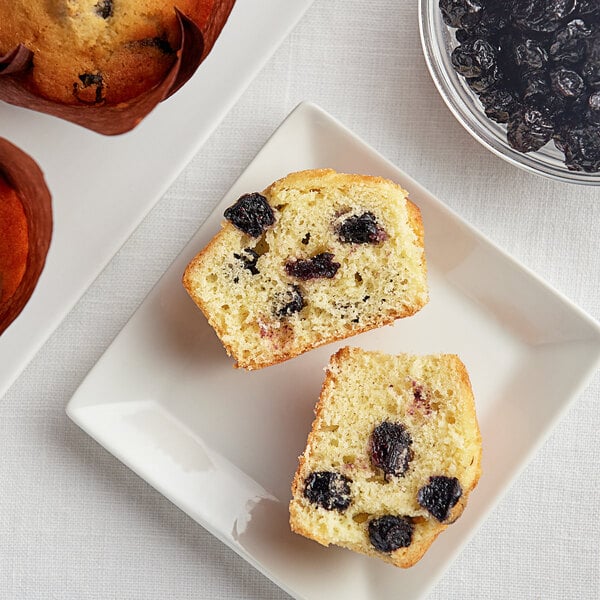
x=523 y=77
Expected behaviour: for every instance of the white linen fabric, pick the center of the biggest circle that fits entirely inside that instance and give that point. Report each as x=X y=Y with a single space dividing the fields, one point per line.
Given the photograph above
x=77 y=524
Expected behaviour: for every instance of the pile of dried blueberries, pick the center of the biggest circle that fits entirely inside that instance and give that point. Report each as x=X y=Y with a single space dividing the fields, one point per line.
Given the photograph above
x=535 y=65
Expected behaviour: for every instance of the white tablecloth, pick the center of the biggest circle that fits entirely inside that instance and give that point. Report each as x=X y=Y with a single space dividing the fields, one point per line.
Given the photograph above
x=76 y=524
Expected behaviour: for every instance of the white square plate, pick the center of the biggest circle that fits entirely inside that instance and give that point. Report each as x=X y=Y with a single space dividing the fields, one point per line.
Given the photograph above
x=222 y=444
x=103 y=186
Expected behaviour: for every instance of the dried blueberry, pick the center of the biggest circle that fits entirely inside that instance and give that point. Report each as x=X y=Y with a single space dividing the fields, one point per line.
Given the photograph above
x=535 y=88
x=440 y=495
x=542 y=15
x=568 y=45
x=569 y=53
x=320 y=265
x=104 y=8
x=588 y=7
x=529 y=130
x=592 y=115
x=494 y=18
x=160 y=43
x=566 y=83
x=529 y=55
x=89 y=80
x=594 y=101
x=498 y=104
x=473 y=58
x=328 y=489
x=250 y=258
x=460 y=13
x=591 y=75
x=591 y=66
x=291 y=302
x=361 y=229
x=388 y=533
x=462 y=36
x=486 y=82
x=582 y=148
x=306 y=238
x=251 y=214
x=592 y=44
x=390 y=448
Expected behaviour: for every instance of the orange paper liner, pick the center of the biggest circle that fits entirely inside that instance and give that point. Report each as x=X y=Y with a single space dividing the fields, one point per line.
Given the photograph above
x=22 y=174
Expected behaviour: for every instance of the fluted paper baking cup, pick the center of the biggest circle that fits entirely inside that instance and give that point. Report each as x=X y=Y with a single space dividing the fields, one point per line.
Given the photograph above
x=25 y=229
x=112 y=119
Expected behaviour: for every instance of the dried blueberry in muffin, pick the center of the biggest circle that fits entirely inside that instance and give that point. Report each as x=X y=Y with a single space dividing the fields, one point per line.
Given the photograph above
x=390 y=448
x=251 y=214
x=104 y=8
x=361 y=229
x=440 y=495
x=291 y=302
x=328 y=489
x=319 y=266
x=388 y=533
x=249 y=260
x=89 y=89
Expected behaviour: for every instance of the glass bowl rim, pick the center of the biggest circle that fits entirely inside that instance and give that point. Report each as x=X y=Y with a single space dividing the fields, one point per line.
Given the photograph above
x=428 y=11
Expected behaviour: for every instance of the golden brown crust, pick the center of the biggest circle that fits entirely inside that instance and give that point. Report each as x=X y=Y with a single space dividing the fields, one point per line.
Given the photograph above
x=416 y=222
x=188 y=284
x=467 y=393
x=300 y=179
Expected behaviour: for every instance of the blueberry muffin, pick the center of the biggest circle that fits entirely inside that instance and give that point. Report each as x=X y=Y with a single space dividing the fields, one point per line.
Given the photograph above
x=25 y=229
x=392 y=457
x=316 y=257
x=100 y=52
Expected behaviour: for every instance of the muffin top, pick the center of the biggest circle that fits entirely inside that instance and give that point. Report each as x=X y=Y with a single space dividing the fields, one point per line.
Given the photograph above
x=92 y=52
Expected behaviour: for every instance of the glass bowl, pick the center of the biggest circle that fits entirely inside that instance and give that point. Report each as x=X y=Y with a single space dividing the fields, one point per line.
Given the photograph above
x=438 y=42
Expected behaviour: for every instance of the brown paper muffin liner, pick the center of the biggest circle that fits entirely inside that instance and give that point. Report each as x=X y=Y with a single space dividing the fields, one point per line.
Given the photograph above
x=122 y=117
x=22 y=174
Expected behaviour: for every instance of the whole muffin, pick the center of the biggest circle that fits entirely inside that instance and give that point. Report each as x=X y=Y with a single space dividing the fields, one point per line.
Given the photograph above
x=100 y=52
